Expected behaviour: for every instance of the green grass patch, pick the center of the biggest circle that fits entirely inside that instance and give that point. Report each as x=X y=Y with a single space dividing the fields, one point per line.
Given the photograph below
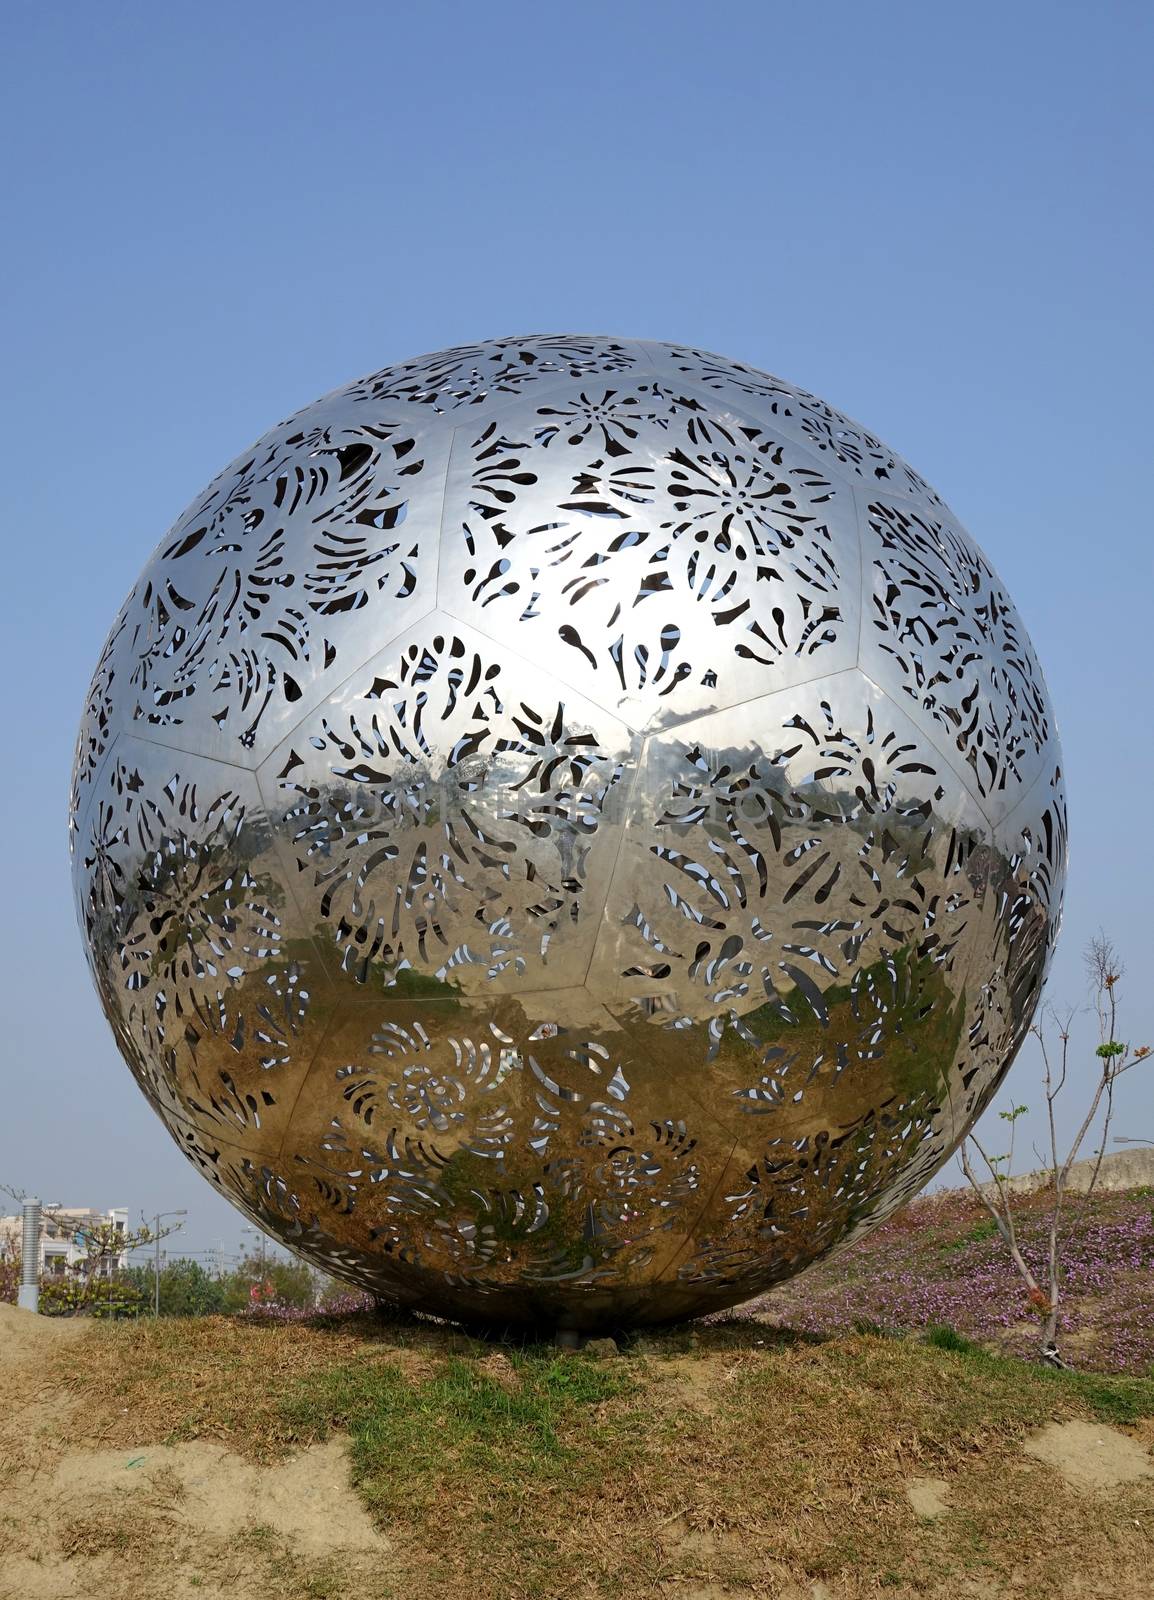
x=943 y=1337
x=875 y=1330
x=414 y=1440
x=1110 y=1399
x=714 y=1458
x=982 y=1230
x=1125 y=1400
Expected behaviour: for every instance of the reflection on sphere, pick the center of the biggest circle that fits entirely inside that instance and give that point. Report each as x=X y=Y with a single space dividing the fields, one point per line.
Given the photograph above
x=568 y=829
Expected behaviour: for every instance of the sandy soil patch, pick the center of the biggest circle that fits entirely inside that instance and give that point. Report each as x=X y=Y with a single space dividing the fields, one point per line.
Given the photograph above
x=713 y=1467
x=930 y=1497
x=1089 y=1455
x=161 y=1521
x=23 y=1334
x=307 y=1499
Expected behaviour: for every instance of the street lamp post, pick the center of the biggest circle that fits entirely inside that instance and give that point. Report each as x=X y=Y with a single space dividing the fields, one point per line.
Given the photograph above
x=156 y=1287
x=262 y=1241
x=28 y=1295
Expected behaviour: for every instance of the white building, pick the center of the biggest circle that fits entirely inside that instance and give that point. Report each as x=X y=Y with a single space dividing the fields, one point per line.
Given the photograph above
x=63 y=1232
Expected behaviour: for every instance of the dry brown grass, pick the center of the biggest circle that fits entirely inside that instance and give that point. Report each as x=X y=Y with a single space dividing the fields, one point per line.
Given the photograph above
x=216 y=1378
x=730 y=1461
x=110 y=1528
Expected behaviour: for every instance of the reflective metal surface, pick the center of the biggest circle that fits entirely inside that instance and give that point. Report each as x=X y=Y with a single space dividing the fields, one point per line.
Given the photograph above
x=568 y=828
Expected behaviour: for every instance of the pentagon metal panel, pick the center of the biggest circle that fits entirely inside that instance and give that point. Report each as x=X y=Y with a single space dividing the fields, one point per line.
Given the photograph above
x=942 y=635
x=568 y=829
x=451 y=818
x=626 y=534
x=203 y=969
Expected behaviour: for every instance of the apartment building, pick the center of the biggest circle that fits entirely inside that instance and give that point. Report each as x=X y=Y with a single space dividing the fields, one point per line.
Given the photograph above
x=63 y=1233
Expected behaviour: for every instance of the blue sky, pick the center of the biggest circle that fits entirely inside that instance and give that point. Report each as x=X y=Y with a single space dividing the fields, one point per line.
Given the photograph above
x=938 y=218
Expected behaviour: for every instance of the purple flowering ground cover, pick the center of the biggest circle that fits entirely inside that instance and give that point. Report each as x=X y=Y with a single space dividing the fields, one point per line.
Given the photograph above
x=336 y=1305
x=941 y=1262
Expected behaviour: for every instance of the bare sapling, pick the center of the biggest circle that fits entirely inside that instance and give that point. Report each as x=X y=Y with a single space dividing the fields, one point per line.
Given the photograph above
x=98 y=1246
x=1112 y=1059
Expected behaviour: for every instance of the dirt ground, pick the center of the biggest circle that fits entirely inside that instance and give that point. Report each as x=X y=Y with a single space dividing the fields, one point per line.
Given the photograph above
x=115 y=1516
x=218 y=1526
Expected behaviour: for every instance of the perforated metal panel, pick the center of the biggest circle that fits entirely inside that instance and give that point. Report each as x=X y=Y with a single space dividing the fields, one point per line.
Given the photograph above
x=568 y=828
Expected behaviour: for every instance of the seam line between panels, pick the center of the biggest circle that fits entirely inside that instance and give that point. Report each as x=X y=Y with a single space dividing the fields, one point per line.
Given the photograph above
x=412 y=622
x=690 y=717
x=1044 y=777
x=601 y=914
x=836 y=469
x=811 y=457
x=958 y=768
x=205 y=1135
x=84 y=812
x=290 y=867
x=441 y=515
x=859 y=513
x=646 y=347
x=183 y=750
x=329 y=1023
x=762 y=694
x=539 y=667
x=678 y=1254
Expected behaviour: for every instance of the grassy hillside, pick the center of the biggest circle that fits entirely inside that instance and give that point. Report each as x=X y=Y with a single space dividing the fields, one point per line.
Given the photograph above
x=941 y=1261
x=730 y=1460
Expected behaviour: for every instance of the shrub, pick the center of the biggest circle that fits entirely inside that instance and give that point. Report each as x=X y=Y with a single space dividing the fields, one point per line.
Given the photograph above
x=944 y=1337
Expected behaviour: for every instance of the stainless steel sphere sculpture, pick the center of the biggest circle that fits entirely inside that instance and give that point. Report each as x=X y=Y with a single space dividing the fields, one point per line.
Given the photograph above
x=568 y=829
